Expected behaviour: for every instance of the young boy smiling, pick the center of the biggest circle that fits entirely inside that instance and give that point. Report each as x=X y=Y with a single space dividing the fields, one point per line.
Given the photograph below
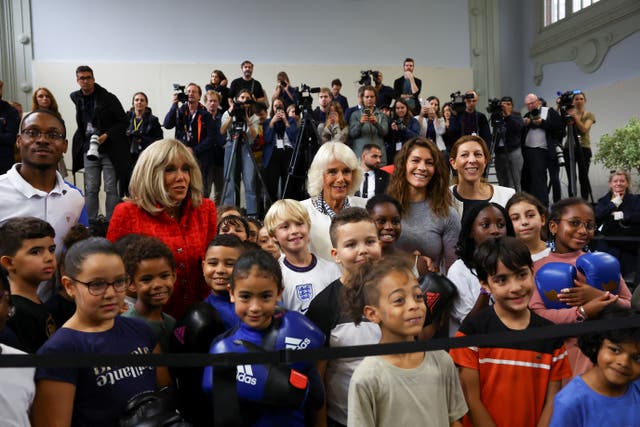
x=489 y=375
x=150 y=266
x=303 y=273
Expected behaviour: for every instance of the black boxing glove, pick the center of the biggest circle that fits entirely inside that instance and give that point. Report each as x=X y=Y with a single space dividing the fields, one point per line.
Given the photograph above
x=439 y=293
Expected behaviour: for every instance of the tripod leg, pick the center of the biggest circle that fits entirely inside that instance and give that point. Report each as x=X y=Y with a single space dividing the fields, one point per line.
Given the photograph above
x=229 y=169
x=251 y=171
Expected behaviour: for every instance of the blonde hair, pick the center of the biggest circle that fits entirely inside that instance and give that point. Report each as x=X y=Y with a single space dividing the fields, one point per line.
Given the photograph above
x=285 y=210
x=327 y=153
x=622 y=172
x=146 y=187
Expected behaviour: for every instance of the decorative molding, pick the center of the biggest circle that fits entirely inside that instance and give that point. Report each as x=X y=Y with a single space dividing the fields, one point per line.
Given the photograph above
x=484 y=38
x=584 y=37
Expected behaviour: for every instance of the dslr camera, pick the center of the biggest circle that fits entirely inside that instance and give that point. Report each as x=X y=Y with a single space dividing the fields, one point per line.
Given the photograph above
x=534 y=114
x=400 y=124
x=179 y=90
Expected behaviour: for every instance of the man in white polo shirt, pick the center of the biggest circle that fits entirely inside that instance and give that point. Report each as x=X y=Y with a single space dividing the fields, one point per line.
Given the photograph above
x=34 y=187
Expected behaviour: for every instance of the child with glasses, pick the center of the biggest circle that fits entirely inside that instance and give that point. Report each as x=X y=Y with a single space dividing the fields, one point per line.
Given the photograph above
x=571 y=228
x=96 y=279
x=27 y=253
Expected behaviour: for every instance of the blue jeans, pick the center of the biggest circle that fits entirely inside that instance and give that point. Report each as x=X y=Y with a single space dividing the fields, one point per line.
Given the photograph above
x=92 y=176
x=248 y=177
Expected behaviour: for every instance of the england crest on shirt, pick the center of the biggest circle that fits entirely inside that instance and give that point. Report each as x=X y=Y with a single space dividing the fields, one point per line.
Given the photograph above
x=304 y=292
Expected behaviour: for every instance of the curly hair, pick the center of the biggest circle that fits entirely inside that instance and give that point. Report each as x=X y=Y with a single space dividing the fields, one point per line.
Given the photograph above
x=327 y=153
x=361 y=288
x=437 y=190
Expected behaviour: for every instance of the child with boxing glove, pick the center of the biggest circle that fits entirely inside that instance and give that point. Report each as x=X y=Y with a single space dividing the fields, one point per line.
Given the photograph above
x=529 y=218
x=608 y=393
x=571 y=228
x=492 y=376
x=263 y=395
x=384 y=390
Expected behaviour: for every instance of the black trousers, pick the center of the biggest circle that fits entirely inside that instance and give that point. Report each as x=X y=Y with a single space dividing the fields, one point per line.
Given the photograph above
x=275 y=173
x=534 y=173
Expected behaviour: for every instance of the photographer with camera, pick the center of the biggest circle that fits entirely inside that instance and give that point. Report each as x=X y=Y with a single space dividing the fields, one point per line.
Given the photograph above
x=194 y=125
x=144 y=128
x=368 y=125
x=541 y=134
x=284 y=91
x=432 y=126
x=99 y=143
x=280 y=134
x=583 y=120
x=468 y=121
x=403 y=126
x=335 y=128
x=336 y=87
x=508 y=150
x=408 y=86
x=241 y=127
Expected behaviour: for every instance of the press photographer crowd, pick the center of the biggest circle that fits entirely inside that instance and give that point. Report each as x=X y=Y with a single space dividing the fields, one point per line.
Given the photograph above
x=267 y=224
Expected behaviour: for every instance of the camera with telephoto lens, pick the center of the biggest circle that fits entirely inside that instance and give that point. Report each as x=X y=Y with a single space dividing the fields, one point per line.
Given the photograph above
x=239 y=112
x=92 y=153
x=179 y=90
x=559 y=155
x=495 y=106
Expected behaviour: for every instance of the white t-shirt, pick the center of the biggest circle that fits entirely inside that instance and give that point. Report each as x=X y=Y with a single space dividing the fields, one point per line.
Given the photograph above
x=302 y=284
x=17 y=390
x=468 y=287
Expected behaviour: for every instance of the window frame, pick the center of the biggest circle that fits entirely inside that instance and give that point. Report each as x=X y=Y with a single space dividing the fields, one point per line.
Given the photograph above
x=583 y=37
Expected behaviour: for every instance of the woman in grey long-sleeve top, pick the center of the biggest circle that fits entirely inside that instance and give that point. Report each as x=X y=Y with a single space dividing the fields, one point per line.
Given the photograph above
x=420 y=182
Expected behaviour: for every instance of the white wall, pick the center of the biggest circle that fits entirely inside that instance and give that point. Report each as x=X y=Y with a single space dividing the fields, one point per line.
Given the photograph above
x=146 y=45
x=381 y=32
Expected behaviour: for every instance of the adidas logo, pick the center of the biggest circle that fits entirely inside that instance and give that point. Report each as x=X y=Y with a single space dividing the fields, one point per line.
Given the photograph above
x=292 y=343
x=244 y=374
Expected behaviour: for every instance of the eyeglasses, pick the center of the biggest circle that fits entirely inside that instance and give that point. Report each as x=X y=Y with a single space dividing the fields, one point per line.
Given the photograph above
x=36 y=133
x=99 y=287
x=576 y=223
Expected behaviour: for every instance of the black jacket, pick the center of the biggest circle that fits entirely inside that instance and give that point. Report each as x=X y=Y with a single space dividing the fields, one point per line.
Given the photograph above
x=553 y=129
x=9 y=123
x=109 y=117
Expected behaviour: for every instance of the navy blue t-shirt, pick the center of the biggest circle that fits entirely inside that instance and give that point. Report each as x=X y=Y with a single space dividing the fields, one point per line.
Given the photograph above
x=102 y=392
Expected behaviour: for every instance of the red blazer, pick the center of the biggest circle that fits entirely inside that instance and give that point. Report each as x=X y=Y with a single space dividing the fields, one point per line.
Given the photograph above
x=188 y=240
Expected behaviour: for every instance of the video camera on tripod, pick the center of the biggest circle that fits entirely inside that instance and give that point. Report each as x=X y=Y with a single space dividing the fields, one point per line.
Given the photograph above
x=304 y=99
x=495 y=110
x=367 y=77
x=458 y=101
x=566 y=102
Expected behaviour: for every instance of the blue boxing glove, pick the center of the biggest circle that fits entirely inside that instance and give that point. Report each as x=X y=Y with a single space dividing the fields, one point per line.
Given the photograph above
x=551 y=279
x=601 y=270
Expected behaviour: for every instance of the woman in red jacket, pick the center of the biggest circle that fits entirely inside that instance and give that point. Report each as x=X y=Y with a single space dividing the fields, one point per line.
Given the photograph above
x=166 y=202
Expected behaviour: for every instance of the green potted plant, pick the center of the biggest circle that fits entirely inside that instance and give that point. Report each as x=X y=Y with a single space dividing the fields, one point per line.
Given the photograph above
x=621 y=150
